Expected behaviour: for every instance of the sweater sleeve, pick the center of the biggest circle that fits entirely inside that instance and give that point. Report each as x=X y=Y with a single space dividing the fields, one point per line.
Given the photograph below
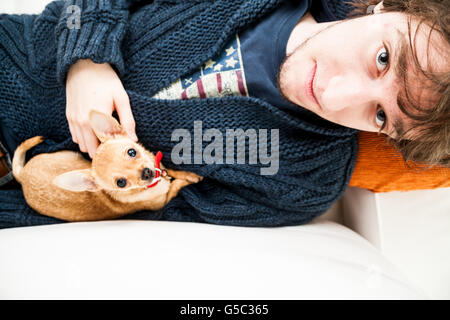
x=92 y=29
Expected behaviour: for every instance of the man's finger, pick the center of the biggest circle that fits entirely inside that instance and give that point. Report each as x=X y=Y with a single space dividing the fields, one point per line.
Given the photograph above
x=71 y=125
x=80 y=139
x=91 y=141
x=123 y=108
x=72 y=132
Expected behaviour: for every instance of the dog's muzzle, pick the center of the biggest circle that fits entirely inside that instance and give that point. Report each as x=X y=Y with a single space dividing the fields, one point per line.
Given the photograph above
x=158 y=171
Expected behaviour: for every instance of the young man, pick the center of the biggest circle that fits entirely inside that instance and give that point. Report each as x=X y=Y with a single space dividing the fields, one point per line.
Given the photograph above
x=294 y=68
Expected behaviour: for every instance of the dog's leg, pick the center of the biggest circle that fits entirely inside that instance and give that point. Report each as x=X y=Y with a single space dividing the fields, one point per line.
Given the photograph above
x=175 y=187
x=184 y=175
x=182 y=179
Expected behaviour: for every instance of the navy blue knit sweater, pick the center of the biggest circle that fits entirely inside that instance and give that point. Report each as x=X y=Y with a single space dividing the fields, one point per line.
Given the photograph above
x=150 y=46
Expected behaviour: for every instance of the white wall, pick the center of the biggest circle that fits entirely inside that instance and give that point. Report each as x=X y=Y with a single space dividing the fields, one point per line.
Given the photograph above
x=22 y=6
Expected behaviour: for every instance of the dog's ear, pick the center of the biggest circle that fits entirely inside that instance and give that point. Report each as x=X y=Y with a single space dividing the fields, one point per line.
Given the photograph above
x=76 y=181
x=105 y=126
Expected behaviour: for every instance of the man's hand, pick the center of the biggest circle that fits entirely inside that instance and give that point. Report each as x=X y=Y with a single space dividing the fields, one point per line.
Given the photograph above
x=95 y=86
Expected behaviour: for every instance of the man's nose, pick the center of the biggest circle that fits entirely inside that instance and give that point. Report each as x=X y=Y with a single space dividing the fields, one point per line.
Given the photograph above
x=344 y=91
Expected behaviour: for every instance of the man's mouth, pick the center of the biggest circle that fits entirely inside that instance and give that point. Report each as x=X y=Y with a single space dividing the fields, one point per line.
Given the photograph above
x=309 y=85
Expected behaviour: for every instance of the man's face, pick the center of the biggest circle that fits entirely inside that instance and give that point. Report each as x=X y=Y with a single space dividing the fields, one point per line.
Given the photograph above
x=350 y=66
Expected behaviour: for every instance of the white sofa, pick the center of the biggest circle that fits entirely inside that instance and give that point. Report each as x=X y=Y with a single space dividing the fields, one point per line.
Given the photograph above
x=171 y=260
x=402 y=257
x=367 y=246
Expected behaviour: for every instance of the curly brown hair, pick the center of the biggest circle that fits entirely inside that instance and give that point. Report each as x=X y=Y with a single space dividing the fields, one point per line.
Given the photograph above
x=430 y=124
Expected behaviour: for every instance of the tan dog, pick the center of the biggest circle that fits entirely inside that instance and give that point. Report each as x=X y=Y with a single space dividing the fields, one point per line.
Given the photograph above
x=64 y=185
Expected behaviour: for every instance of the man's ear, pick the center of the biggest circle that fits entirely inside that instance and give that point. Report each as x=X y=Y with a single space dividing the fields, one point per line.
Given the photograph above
x=76 y=181
x=105 y=126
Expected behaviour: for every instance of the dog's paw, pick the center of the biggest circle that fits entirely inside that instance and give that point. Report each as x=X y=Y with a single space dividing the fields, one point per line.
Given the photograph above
x=192 y=177
x=184 y=175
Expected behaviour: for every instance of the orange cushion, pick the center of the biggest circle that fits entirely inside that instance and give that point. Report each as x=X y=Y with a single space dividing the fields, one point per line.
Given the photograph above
x=380 y=168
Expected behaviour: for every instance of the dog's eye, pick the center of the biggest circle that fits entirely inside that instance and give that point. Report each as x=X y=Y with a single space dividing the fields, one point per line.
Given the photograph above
x=132 y=152
x=121 y=183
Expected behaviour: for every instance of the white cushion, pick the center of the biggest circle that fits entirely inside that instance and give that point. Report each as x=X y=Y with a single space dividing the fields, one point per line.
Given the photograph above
x=171 y=260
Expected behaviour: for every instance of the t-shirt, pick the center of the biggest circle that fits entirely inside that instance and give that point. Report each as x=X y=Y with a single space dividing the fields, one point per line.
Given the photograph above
x=249 y=63
x=264 y=49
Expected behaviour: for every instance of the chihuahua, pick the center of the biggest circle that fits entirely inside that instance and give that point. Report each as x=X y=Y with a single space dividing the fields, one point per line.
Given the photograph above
x=122 y=178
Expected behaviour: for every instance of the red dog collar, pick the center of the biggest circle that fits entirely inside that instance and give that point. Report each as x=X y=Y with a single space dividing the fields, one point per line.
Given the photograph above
x=158 y=171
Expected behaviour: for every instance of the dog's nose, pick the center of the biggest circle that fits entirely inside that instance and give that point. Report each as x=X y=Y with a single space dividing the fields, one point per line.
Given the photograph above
x=147 y=174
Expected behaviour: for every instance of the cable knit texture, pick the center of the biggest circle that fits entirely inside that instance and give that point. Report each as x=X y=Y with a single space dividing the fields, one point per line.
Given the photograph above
x=151 y=44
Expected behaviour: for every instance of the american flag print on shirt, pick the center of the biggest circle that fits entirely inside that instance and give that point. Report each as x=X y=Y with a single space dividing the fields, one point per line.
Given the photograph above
x=218 y=77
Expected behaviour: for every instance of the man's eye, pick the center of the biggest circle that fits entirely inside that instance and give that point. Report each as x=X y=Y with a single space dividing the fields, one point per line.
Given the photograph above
x=380 y=116
x=382 y=59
